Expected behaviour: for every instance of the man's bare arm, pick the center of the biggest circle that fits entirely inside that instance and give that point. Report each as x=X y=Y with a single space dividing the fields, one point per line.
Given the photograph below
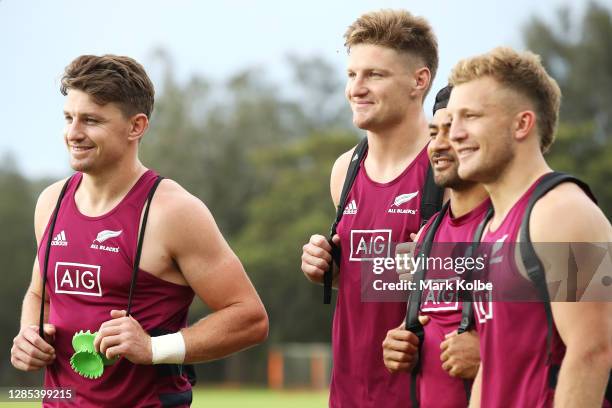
x=476 y=389
x=584 y=327
x=30 y=352
x=216 y=275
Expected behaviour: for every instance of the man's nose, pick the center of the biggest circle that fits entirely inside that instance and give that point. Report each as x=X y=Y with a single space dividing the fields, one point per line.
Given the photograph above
x=74 y=130
x=357 y=87
x=457 y=131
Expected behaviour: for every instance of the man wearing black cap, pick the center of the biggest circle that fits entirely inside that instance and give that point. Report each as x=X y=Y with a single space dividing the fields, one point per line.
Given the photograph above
x=447 y=360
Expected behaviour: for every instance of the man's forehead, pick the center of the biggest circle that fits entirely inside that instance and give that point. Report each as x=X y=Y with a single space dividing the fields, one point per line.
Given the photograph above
x=477 y=94
x=368 y=56
x=480 y=93
x=439 y=117
x=79 y=101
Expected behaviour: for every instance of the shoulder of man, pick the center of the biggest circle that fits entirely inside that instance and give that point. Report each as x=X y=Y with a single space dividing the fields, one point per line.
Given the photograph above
x=338 y=174
x=45 y=204
x=171 y=201
x=174 y=209
x=567 y=214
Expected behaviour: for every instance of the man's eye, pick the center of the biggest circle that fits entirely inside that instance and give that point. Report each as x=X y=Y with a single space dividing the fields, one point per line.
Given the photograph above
x=351 y=75
x=375 y=74
x=91 y=121
x=68 y=119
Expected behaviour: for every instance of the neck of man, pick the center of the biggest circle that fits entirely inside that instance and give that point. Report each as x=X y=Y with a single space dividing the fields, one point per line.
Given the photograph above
x=464 y=200
x=513 y=181
x=392 y=149
x=99 y=193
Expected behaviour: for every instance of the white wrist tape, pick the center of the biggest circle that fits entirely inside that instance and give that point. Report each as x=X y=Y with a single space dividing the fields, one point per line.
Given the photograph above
x=168 y=349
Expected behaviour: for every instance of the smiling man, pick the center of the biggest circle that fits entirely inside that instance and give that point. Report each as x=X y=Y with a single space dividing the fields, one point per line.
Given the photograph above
x=95 y=264
x=447 y=362
x=393 y=58
x=504 y=108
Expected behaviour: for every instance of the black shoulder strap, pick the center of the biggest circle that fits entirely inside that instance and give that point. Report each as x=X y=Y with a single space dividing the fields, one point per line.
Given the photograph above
x=139 y=245
x=431 y=200
x=467 y=311
x=414 y=301
x=41 y=331
x=351 y=174
x=533 y=266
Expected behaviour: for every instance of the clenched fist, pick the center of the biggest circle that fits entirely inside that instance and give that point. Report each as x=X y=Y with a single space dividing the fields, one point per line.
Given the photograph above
x=317 y=258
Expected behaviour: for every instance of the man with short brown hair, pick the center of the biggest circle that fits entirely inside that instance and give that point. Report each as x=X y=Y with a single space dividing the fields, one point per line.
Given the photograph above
x=106 y=273
x=504 y=109
x=392 y=62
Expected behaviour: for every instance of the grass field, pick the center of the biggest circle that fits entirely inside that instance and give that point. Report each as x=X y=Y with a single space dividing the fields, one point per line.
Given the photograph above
x=237 y=398
x=258 y=398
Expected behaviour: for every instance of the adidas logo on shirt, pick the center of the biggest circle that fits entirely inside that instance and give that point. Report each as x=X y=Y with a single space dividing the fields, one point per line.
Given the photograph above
x=59 y=239
x=351 y=208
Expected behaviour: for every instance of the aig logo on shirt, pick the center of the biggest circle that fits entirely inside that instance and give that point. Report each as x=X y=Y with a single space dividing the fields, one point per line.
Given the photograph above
x=367 y=245
x=442 y=299
x=77 y=279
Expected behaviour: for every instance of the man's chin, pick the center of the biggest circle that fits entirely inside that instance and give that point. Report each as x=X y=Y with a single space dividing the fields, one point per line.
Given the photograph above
x=80 y=166
x=469 y=173
x=362 y=123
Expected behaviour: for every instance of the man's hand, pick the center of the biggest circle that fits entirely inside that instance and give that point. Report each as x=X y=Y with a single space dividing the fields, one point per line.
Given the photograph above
x=461 y=354
x=400 y=348
x=316 y=257
x=404 y=253
x=124 y=337
x=30 y=352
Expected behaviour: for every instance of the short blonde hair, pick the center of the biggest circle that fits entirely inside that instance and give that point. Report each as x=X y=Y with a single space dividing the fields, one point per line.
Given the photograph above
x=398 y=30
x=523 y=73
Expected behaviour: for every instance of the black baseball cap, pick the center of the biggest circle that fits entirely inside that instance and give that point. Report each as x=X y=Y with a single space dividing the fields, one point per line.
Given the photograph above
x=442 y=98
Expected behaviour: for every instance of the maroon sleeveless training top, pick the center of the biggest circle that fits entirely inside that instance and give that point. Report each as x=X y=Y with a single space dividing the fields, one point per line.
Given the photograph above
x=89 y=273
x=436 y=387
x=376 y=215
x=513 y=334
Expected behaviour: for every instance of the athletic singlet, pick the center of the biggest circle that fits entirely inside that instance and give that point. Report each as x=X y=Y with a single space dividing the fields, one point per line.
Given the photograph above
x=437 y=389
x=513 y=334
x=89 y=273
x=376 y=215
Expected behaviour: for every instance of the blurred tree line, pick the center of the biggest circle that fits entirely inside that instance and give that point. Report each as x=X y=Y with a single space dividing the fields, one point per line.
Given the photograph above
x=259 y=154
x=578 y=54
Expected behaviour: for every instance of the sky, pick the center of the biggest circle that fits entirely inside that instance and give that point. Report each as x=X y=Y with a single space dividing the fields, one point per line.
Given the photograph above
x=211 y=38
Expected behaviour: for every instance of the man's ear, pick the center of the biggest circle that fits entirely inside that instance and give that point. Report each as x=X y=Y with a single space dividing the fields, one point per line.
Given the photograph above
x=524 y=124
x=422 y=79
x=139 y=124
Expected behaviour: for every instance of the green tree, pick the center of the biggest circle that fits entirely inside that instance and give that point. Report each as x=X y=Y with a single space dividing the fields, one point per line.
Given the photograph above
x=297 y=205
x=578 y=54
x=18 y=249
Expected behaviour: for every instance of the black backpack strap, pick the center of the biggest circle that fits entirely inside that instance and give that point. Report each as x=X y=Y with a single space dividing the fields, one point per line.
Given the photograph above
x=414 y=302
x=351 y=174
x=467 y=306
x=140 y=239
x=431 y=200
x=533 y=266
x=41 y=330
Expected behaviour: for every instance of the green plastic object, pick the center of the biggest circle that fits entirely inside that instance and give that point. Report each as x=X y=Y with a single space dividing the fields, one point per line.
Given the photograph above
x=87 y=364
x=86 y=361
